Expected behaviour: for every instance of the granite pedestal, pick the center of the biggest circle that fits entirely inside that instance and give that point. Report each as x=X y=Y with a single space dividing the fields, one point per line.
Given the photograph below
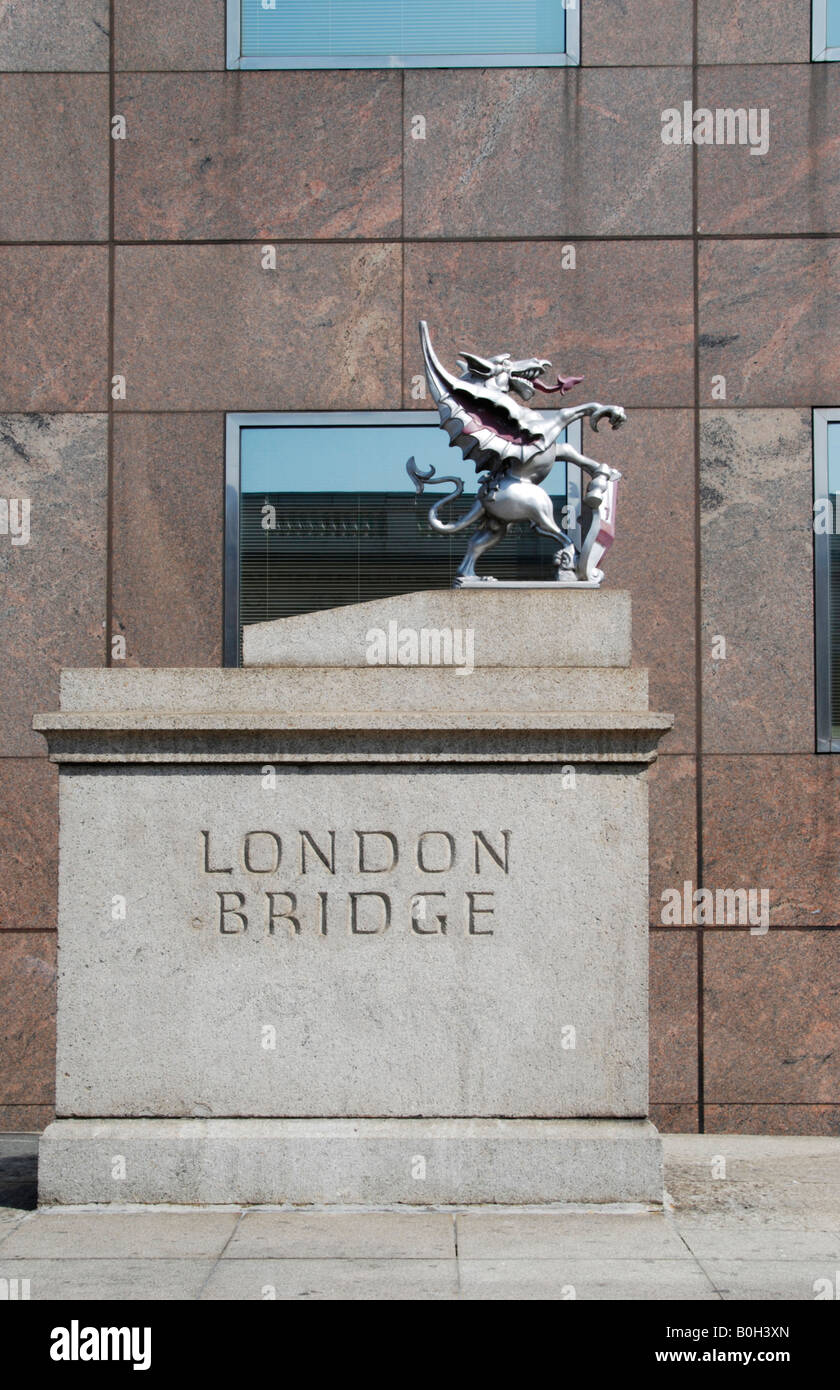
x=364 y=922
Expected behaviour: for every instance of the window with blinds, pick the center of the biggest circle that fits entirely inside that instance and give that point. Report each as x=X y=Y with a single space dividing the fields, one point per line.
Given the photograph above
x=402 y=33
x=321 y=513
x=826 y=30
x=827 y=576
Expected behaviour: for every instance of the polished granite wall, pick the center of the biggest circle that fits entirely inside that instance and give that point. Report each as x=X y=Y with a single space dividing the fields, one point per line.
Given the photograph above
x=142 y=258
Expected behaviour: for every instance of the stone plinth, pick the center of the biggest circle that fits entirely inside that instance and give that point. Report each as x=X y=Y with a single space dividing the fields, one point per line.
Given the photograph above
x=334 y=931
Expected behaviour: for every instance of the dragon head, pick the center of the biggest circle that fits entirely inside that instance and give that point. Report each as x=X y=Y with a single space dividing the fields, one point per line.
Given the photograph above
x=505 y=374
x=478 y=409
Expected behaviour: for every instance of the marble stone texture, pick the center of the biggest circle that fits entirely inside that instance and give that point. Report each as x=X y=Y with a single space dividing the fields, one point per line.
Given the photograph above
x=54 y=157
x=545 y=152
x=764 y=305
x=155 y=35
x=622 y=318
x=404 y=1021
x=771 y=1020
x=212 y=158
x=43 y=36
x=53 y=328
x=675 y=1119
x=27 y=1018
x=28 y=1119
x=774 y=822
x=52 y=590
x=795 y=186
x=672 y=786
x=635 y=32
x=673 y=1017
x=757 y=556
x=168 y=538
x=28 y=844
x=773 y=1118
x=206 y=328
x=754 y=31
x=653 y=556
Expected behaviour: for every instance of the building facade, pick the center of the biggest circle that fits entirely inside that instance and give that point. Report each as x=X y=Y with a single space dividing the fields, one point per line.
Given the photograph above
x=189 y=235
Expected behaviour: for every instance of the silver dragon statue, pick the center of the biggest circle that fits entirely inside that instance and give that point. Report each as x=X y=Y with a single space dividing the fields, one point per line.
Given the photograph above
x=515 y=449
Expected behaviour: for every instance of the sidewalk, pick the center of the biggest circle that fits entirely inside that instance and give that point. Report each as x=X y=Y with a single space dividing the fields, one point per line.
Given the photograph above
x=767 y=1228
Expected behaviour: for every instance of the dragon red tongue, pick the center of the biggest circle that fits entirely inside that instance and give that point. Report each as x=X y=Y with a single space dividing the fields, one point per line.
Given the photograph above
x=564 y=384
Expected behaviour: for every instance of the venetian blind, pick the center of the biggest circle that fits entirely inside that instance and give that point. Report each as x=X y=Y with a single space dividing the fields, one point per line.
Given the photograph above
x=381 y=28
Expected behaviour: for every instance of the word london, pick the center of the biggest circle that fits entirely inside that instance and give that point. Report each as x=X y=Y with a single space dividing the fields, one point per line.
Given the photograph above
x=366 y=911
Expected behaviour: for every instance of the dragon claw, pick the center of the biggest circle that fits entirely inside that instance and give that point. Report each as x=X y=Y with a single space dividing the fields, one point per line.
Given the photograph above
x=614 y=413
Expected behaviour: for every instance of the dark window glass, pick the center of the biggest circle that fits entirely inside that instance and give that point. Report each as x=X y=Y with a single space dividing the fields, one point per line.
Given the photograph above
x=328 y=516
x=834 y=574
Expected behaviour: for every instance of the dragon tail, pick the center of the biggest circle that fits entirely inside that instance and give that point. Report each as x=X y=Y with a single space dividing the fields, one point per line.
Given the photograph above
x=446 y=528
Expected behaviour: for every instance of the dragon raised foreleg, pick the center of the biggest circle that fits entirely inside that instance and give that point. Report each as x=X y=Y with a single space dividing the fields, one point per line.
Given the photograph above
x=596 y=412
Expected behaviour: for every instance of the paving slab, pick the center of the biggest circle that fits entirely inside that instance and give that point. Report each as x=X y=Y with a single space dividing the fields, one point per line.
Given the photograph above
x=111 y=1280
x=343 y=1235
x=695 y=1148
x=55 y=1235
x=561 y=1235
x=780 y=1206
x=333 y=1279
x=753 y=1157
x=10 y=1218
x=741 y=1242
x=756 y=1280
x=584 y=1279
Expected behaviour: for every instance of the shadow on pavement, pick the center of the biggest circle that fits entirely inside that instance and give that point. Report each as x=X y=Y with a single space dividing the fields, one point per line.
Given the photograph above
x=19 y=1171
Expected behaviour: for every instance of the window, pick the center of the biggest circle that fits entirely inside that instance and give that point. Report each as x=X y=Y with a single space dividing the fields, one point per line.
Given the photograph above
x=826 y=31
x=320 y=512
x=402 y=33
x=827 y=576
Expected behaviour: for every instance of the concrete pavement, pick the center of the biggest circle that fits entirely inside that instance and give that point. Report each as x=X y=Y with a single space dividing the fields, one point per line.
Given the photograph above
x=746 y=1218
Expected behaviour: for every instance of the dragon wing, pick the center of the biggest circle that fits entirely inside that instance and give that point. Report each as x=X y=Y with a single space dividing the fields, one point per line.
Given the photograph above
x=486 y=424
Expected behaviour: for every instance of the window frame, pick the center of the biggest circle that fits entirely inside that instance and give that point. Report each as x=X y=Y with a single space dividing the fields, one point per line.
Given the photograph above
x=820 y=51
x=238 y=61
x=822 y=418
x=236 y=421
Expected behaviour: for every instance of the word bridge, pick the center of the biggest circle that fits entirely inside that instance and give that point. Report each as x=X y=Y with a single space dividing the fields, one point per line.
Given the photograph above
x=358 y=910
